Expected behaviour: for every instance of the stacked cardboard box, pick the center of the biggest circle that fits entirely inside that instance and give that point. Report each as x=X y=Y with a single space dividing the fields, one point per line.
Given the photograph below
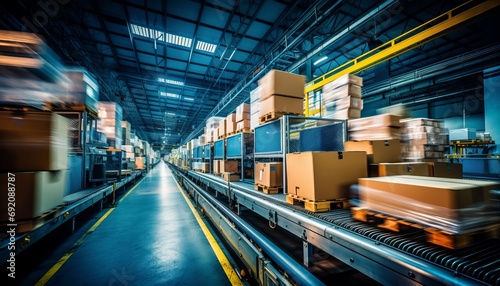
x=378 y=127
x=222 y=130
x=453 y=205
x=377 y=151
x=231 y=124
x=82 y=89
x=110 y=123
x=211 y=129
x=324 y=175
x=281 y=93
x=341 y=98
x=269 y=174
x=423 y=138
x=254 y=108
x=243 y=117
x=126 y=128
x=216 y=167
x=34 y=148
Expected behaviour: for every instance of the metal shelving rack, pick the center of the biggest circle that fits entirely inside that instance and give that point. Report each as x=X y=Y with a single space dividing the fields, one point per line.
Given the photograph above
x=240 y=147
x=208 y=155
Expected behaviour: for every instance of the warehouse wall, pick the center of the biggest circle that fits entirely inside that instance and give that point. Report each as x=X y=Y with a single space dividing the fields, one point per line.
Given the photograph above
x=492 y=103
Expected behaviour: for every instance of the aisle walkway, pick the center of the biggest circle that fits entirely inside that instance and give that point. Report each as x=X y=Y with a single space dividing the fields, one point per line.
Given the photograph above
x=151 y=238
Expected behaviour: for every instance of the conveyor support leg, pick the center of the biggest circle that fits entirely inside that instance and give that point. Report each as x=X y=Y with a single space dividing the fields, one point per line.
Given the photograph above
x=308 y=253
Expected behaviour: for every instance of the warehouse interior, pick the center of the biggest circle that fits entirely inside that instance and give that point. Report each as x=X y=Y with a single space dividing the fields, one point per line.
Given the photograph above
x=266 y=142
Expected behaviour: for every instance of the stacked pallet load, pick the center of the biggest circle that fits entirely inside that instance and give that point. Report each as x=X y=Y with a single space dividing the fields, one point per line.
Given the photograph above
x=243 y=118
x=34 y=163
x=423 y=139
x=110 y=123
x=231 y=124
x=341 y=98
x=211 y=129
x=268 y=177
x=322 y=180
x=82 y=91
x=280 y=93
x=453 y=213
x=254 y=108
x=378 y=127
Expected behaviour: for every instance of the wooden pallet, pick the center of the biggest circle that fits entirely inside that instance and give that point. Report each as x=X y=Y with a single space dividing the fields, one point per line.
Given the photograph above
x=200 y=171
x=34 y=223
x=243 y=130
x=230 y=133
x=221 y=137
x=273 y=115
x=435 y=236
x=318 y=206
x=267 y=189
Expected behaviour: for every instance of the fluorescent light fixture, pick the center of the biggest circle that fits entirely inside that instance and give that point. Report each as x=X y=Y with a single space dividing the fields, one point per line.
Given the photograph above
x=161 y=36
x=170 y=81
x=173 y=95
x=320 y=60
x=189 y=98
x=206 y=47
x=170 y=113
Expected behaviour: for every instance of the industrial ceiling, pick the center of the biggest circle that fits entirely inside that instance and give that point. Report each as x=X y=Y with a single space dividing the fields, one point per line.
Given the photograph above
x=171 y=64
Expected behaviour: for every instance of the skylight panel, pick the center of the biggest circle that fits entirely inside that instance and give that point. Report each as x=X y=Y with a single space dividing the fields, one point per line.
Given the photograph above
x=206 y=47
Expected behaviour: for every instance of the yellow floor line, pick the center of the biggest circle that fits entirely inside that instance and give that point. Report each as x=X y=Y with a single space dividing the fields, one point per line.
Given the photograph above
x=53 y=270
x=224 y=262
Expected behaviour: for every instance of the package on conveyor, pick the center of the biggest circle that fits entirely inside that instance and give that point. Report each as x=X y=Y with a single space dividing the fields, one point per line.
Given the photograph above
x=211 y=128
x=452 y=205
x=281 y=93
x=377 y=127
x=269 y=174
x=341 y=98
x=423 y=138
x=110 y=122
x=321 y=176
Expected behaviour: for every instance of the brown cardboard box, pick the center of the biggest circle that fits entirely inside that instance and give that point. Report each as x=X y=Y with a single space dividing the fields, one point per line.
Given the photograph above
x=378 y=151
x=348 y=113
x=205 y=167
x=269 y=174
x=33 y=141
x=245 y=124
x=447 y=170
x=140 y=163
x=243 y=108
x=375 y=133
x=341 y=92
x=441 y=192
x=228 y=177
x=383 y=120
x=406 y=168
x=216 y=166
x=230 y=127
x=35 y=193
x=228 y=166
x=342 y=103
x=231 y=118
x=282 y=83
x=283 y=104
x=324 y=175
x=222 y=128
x=242 y=116
x=343 y=80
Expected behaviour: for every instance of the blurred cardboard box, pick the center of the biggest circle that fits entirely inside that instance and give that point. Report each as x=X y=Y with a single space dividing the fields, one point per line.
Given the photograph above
x=405 y=168
x=269 y=174
x=228 y=177
x=35 y=193
x=33 y=141
x=383 y=120
x=228 y=166
x=378 y=151
x=342 y=81
x=282 y=83
x=324 y=175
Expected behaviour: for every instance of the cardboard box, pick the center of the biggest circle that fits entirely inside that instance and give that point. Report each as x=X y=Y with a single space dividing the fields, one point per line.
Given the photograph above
x=348 y=113
x=377 y=151
x=216 y=167
x=383 y=120
x=228 y=177
x=324 y=175
x=230 y=127
x=343 y=103
x=341 y=92
x=441 y=192
x=447 y=170
x=269 y=174
x=228 y=166
x=406 y=168
x=35 y=193
x=343 y=80
x=282 y=83
x=140 y=163
x=282 y=104
x=205 y=167
x=222 y=128
x=242 y=116
x=243 y=108
x=245 y=124
x=375 y=133
x=231 y=118
x=33 y=141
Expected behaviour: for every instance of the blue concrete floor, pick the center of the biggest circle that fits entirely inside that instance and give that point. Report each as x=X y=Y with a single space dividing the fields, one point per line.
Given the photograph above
x=151 y=238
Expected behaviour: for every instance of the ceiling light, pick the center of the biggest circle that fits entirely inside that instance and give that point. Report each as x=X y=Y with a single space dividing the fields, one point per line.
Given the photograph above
x=320 y=60
x=189 y=98
x=170 y=113
x=206 y=47
x=160 y=36
x=173 y=95
x=178 y=40
x=170 y=81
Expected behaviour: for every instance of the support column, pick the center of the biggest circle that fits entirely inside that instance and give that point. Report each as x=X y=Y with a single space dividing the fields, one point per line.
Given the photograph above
x=308 y=253
x=492 y=104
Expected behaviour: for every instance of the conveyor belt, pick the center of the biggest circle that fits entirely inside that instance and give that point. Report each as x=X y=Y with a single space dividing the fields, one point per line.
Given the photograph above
x=480 y=262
